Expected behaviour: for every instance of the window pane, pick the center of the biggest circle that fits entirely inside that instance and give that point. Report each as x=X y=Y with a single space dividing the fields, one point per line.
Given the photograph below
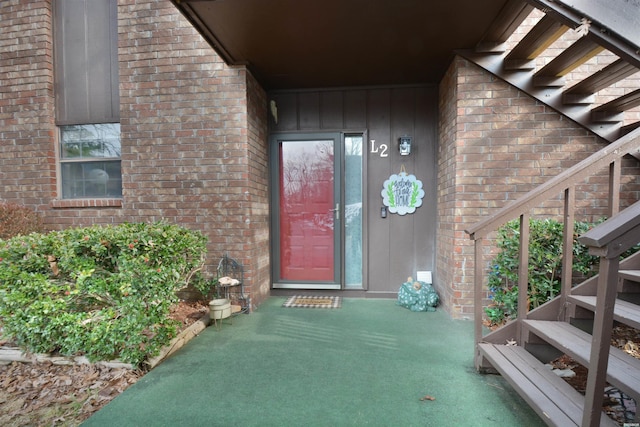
x=87 y=141
x=91 y=179
x=353 y=211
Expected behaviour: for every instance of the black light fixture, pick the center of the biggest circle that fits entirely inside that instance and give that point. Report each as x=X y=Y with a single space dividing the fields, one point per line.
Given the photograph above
x=404 y=145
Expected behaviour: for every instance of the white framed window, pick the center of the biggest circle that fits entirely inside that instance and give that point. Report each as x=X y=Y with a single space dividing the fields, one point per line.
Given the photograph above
x=90 y=161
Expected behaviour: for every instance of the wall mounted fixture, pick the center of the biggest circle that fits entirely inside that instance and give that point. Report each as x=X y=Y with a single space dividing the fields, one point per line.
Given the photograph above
x=404 y=145
x=274 y=110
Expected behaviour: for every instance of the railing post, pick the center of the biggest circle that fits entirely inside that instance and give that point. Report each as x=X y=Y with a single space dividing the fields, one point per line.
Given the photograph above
x=615 y=169
x=567 y=246
x=478 y=278
x=601 y=342
x=523 y=276
x=608 y=240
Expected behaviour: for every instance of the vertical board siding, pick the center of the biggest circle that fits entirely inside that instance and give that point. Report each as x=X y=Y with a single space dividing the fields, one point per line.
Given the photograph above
x=332 y=110
x=309 y=110
x=381 y=248
x=287 y=112
x=398 y=246
x=355 y=109
x=425 y=249
x=402 y=228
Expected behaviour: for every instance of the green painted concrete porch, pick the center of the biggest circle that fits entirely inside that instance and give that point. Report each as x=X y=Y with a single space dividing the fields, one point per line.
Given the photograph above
x=370 y=362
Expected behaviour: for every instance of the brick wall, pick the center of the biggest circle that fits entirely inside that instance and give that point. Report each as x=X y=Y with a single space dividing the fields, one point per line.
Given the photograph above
x=194 y=143
x=496 y=143
x=27 y=166
x=449 y=231
x=191 y=154
x=256 y=249
x=189 y=146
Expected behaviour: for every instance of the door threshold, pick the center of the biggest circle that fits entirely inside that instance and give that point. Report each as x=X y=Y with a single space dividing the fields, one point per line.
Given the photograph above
x=306 y=286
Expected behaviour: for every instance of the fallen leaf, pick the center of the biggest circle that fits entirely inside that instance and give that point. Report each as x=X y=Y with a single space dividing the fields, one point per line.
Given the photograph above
x=106 y=392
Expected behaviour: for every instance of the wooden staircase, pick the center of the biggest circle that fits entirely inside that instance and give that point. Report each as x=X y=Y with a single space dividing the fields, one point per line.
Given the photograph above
x=547 y=83
x=520 y=349
x=554 y=400
x=580 y=320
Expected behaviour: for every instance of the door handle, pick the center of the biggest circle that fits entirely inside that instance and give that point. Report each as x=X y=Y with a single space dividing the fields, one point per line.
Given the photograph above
x=336 y=210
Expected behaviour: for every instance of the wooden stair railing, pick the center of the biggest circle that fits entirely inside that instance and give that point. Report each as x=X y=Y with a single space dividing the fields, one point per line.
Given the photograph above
x=609 y=157
x=608 y=241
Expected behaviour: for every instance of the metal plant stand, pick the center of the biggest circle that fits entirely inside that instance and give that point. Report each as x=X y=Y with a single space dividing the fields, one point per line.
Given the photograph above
x=231 y=283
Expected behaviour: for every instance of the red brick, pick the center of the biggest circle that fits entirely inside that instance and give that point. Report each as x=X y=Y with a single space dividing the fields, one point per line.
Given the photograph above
x=526 y=144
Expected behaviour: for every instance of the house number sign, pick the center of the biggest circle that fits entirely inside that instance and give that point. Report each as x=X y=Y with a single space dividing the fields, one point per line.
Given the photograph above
x=381 y=149
x=402 y=193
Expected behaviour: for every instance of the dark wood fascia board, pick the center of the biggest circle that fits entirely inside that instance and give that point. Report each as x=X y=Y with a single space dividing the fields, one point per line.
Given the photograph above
x=199 y=24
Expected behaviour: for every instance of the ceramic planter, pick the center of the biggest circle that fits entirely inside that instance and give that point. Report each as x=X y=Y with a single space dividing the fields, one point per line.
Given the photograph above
x=220 y=308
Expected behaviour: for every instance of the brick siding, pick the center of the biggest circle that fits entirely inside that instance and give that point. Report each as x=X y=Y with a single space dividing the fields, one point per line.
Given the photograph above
x=27 y=158
x=256 y=248
x=187 y=138
x=194 y=144
x=496 y=144
x=190 y=153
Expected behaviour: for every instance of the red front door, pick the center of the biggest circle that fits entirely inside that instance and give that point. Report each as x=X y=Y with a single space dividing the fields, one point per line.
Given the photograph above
x=308 y=213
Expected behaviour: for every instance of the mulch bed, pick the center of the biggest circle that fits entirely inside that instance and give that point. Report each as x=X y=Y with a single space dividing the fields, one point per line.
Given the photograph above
x=616 y=404
x=65 y=395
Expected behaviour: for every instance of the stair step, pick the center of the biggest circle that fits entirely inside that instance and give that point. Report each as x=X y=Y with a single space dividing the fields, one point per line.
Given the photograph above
x=623 y=312
x=633 y=275
x=623 y=370
x=555 y=401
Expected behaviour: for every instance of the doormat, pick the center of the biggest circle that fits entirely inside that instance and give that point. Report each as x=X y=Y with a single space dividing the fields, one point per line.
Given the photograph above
x=313 y=302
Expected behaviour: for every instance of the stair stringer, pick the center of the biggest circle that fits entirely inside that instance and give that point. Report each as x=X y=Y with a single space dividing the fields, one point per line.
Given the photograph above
x=590 y=286
x=550 y=96
x=503 y=334
x=556 y=309
x=508 y=332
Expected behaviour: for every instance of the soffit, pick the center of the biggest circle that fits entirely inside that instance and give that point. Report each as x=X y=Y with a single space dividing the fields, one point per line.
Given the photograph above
x=331 y=43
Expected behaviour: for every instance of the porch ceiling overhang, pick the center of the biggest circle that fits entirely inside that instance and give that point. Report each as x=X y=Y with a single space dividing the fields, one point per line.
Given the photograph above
x=331 y=43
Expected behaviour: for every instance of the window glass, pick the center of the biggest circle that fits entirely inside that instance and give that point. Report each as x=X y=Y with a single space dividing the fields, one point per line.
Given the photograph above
x=353 y=211
x=101 y=140
x=90 y=161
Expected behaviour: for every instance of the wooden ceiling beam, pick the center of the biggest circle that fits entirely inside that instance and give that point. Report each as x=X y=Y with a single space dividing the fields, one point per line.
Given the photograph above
x=629 y=128
x=603 y=36
x=541 y=36
x=620 y=104
x=506 y=22
x=575 y=55
x=604 y=78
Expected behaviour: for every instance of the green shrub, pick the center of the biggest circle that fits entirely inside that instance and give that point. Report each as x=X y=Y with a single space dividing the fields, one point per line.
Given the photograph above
x=205 y=286
x=18 y=220
x=105 y=292
x=545 y=265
